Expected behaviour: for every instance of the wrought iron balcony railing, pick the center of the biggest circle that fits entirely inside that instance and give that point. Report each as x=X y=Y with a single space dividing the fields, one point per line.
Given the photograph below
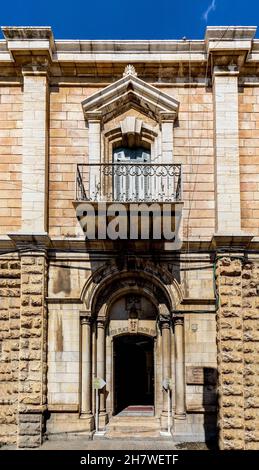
x=128 y=182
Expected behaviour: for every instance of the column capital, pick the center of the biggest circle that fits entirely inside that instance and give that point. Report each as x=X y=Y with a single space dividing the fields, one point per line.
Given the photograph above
x=85 y=320
x=225 y=70
x=37 y=242
x=178 y=320
x=164 y=322
x=93 y=116
x=100 y=321
x=36 y=70
x=167 y=117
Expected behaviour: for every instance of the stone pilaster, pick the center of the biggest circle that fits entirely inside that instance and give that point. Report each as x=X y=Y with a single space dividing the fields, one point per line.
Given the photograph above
x=35 y=150
x=230 y=354
x=238 y=347
x=9 y=348
x=250 y=291
x=33 y=348
x=227 y=172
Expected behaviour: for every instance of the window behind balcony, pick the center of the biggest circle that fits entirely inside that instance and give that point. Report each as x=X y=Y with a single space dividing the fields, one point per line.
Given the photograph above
x=131 y=181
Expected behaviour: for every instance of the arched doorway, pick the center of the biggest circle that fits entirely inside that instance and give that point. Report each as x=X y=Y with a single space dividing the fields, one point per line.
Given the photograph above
x=133 y=374
x=133 y=301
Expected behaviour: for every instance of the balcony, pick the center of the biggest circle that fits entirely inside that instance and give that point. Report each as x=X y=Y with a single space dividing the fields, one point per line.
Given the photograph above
x=129 y=183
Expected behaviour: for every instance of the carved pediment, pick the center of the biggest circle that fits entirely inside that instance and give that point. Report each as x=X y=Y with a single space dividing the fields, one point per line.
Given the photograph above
x=130 y=92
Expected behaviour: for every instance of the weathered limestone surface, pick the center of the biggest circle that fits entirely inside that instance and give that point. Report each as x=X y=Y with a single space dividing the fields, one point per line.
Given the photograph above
x=9 y=354
x=238 y=348
x=33 y=346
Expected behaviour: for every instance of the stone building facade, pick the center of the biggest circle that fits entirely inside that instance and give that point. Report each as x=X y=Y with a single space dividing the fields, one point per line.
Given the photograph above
x=183 y=116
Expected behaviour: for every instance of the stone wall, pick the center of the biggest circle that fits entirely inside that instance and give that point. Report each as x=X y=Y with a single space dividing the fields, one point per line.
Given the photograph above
x=193 y=147
x=238 y=347
x=10 y=164
x=249 y=158
x=9 y=348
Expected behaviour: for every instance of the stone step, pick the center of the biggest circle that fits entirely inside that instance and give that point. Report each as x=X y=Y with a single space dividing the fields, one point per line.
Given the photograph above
x=133 y=425
x=142 y=435
x=134 y=420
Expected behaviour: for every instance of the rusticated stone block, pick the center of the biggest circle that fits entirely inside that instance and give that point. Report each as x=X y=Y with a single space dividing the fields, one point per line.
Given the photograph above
x=36 y=300
x=251 y=347
x=231 y=379
x=251 y=335
x=252 y=402
x=251 y=325
x=231 y=313
x=230 y=345
x=231 y=357
x=232 y=423
x=251 y=414
x=29 y=441
x=230 y=291
x=30 y=399
x=251 y=445
x=232 y=390
x=231 y=334
x=252 y=436
x=251 y=314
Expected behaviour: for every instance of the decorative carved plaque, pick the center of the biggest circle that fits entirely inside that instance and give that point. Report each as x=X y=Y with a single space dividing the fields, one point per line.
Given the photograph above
x=133 y=325
x=201 y=375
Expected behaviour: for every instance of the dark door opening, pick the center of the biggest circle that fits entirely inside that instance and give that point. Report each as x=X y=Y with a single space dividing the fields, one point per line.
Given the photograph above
x=133 y=371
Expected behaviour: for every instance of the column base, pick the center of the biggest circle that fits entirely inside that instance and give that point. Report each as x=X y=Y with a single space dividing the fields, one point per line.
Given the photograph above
x=180 y=416
x=103 y=420
x=164 y=421
x=89 y=421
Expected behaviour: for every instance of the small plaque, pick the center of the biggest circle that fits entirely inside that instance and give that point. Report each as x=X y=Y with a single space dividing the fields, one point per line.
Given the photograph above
x=201 y=375
x=133 y=325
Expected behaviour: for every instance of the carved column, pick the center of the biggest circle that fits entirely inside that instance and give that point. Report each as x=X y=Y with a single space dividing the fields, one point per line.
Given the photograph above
x=86 y=401
x=100 y=358
x=179 y=368
x=166 y=364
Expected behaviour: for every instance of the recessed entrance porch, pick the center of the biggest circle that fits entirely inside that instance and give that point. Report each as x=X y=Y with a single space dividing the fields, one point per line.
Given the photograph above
x=134 y=375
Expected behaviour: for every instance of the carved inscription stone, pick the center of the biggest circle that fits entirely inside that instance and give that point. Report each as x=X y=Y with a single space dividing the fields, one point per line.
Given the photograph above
x=201 y=375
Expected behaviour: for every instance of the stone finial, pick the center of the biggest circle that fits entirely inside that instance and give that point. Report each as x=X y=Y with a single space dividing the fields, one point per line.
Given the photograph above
x=129 y=70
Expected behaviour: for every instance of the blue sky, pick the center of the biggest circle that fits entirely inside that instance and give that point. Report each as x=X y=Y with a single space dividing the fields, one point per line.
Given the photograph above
x=129 y=19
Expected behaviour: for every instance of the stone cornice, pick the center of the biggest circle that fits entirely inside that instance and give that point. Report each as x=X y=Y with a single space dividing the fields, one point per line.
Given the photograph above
x=218 y=40
x=78 y=247
x=22 y=40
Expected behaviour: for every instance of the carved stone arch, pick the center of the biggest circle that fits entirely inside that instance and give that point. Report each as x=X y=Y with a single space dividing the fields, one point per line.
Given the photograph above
x=108 y=280
x=130 y=284
x=131 y=126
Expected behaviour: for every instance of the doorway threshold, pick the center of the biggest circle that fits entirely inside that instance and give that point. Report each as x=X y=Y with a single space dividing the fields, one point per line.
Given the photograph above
x=137 y=410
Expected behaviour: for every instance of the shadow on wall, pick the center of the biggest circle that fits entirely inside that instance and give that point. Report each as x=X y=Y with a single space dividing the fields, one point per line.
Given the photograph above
x=210 y=404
